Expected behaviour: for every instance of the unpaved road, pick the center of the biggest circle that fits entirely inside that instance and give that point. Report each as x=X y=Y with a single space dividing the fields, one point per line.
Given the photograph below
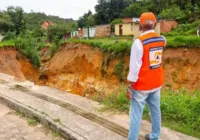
x=16 y=127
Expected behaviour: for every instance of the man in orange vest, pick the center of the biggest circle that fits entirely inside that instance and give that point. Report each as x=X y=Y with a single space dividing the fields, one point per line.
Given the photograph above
x=145 y=78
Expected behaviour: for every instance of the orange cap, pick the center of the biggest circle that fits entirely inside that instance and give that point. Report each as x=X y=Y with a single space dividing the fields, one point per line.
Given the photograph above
x=148 y=18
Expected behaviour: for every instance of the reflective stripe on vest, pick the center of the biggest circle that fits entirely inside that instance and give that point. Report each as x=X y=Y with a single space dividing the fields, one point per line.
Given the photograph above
x=151 y=74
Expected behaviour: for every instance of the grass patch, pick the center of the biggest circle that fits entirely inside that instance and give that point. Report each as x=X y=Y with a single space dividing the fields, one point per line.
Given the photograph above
x=21 y=114
x=180 y=109
x=183 y=41
x=55 y=133
x=9 y=43
x=32 y=121
x=57 y=120
x=107 y=44
x=119 y=46
x=114 y=101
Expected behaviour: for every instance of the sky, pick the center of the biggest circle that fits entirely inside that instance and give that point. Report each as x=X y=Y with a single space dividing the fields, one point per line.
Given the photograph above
x=62 y=8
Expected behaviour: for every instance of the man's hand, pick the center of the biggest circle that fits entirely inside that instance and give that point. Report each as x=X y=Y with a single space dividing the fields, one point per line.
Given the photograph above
x=129 y=90
x=128 y=94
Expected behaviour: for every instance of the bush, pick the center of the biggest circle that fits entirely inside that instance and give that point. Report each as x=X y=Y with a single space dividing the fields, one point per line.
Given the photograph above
x=28 y=47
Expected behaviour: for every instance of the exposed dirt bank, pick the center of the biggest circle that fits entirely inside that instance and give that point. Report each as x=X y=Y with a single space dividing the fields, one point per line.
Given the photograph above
x=182 y=68
x=85 y=70
x=13 y=64
x=82 y=69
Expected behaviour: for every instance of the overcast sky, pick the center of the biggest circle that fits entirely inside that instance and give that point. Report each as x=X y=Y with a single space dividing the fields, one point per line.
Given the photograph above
x=63 y=8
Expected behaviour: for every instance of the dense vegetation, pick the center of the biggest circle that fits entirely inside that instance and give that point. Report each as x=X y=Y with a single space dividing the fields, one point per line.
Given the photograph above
x=109 y=10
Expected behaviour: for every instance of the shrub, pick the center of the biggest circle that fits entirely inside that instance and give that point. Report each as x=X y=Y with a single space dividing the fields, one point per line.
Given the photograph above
x=28 y=47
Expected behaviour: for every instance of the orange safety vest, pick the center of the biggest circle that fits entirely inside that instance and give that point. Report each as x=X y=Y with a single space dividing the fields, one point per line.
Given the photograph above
x=151 y=74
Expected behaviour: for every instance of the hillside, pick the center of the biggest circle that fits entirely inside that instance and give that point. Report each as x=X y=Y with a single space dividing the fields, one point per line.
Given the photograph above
x=35 y=19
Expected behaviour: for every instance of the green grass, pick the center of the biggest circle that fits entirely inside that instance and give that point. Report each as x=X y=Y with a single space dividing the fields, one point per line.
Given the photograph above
x=107 y=45
x=55 y=133
x=180 y=110
x=7 y=43
x=183 y=41
x=57 y=120
x=124 y=46
x=32 y=122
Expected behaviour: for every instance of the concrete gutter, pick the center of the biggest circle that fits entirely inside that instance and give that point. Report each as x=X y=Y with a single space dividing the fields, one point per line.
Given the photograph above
x=42 y=118
x=71 y=122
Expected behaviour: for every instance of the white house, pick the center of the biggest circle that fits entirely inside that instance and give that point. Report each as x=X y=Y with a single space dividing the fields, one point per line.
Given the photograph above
x=89 y=32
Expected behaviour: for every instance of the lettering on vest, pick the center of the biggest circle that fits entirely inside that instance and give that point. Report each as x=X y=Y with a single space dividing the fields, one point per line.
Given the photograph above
x=155 y=57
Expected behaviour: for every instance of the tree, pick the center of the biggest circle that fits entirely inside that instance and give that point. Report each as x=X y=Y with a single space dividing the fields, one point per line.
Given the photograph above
x=134 y=10
x=174 y=12
x=17 y=17
x=56 y=32
x=109 y=10
x=5 y=23
x=86 y=20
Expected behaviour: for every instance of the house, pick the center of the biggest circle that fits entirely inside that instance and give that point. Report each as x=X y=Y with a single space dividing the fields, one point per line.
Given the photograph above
x=77 y=34
x=168 y=25
x=46 y=24
x=130 y=27
x=103 y=30
x=89 y=32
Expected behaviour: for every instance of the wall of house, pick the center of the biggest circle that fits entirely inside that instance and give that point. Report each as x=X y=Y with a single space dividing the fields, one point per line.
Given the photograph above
x=127 y=20
x=127 y=29
x=74 y=34
x=103 y=30
x=117 y=29
x=92 y=32
x=168 y=25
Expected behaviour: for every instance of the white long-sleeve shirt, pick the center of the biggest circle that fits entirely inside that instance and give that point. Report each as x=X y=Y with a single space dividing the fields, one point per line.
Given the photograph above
x=136 y=58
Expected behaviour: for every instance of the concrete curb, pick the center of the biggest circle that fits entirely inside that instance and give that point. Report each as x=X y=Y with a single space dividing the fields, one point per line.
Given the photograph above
x=42 y=118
